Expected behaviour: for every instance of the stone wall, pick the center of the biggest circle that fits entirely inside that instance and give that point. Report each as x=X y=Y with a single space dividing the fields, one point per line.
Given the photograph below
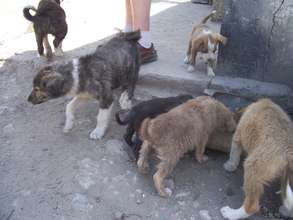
x=260 y=40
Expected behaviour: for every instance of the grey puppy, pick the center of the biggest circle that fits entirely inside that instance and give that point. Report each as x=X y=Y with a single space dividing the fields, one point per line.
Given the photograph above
x=113 y=65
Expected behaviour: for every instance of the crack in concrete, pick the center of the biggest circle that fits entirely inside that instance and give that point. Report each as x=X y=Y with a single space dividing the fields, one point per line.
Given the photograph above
x=271 y=34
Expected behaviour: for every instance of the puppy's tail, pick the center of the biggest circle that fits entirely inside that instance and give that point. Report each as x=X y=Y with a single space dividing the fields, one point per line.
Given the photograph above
x=27 y=14
x=286 y=187
x=132 y=36
x=144 y=130
x=119 y=121
x=208 y=17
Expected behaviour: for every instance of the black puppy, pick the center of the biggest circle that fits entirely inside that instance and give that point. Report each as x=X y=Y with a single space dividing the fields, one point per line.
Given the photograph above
x=143 y=110
x=49 y=19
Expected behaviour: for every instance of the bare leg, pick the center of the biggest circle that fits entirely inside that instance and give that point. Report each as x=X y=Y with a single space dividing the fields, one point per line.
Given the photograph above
x=235 y=153
x=129 y=17
x=142 y=163
x=70 y=109
x=103 y=120
x=141 y=14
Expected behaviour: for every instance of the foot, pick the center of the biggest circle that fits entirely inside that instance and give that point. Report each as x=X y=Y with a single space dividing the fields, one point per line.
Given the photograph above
x=190 y=68
x=234 y=214
x=147 y=55
x=285 y=212
x=186 y=59
x=211 y=73
x=230 y=166
x=59 y=52
x=97 y=133
x=68 y=127
x=143 y=166
x=202 y=158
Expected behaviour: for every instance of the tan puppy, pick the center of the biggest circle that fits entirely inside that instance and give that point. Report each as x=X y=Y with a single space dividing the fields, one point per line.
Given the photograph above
x=181 y=129
x=265 y=133
x=204 y=40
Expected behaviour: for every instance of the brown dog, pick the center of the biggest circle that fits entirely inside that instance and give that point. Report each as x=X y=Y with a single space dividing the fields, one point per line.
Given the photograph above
x=49 y=19
x=174 y=133
x=204 y=40
x=265 y=133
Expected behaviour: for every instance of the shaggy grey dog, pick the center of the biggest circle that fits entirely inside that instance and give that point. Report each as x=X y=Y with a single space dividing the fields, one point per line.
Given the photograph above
x=113 y=65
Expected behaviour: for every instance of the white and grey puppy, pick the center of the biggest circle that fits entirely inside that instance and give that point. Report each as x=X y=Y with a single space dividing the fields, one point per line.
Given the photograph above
x=113 y=65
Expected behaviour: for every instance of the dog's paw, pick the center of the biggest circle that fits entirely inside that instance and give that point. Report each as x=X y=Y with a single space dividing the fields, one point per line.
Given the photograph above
x=143 y=166
x=59 y=52
x=228 y=213
x=68 y=126
x=124 y=101
x=285 y=212
x=211 y=73
x=67 y=129
x=186 y=60
x=202 y=158
x=165 y=193
x=190 y=68
x=230 y=166
x=96 y=134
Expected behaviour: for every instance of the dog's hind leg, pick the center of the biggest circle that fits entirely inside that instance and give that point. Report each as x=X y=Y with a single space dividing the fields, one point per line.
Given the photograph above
x=142 y=162
x=235 y=154
x=187 y=57
x=129 y=133
x=258 y=171
x=39 y=39
x=200 y=149
x=165 y=167
x=70 y=109
x=47 y=47
x=58 y=46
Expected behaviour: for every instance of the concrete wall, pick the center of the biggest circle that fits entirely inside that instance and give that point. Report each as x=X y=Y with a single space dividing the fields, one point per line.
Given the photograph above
x=260 y=46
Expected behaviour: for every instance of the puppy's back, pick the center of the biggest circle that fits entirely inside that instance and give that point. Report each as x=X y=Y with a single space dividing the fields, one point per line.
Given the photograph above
x=265 y=122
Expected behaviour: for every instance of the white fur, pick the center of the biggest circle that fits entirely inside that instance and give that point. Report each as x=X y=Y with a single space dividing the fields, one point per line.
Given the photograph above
x=103 y=120
x=75 y=76
x=210 y=71
x=190 y=68
x=186 y=59
x=69 y=113
x=124 y=101
x=288 y=202
x=58 y=50
x=234 y=214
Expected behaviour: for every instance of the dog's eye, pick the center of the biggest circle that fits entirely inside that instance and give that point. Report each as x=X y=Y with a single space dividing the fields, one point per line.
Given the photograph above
x=36 y=89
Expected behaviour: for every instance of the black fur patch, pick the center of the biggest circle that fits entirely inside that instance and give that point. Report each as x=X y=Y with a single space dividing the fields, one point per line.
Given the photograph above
x=143 y=110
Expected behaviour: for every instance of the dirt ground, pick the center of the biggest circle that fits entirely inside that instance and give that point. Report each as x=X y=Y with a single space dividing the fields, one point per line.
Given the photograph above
x=48 y=175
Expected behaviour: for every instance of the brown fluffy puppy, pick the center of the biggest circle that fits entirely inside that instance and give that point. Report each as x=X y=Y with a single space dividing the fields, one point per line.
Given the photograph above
x=265 y=133
x=174 y=133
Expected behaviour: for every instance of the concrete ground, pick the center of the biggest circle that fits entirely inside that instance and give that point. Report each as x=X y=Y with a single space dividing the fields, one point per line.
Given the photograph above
x=47 y=175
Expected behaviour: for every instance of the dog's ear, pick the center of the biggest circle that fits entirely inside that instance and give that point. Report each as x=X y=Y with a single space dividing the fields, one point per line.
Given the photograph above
x=54 y=84
x=220 y=38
